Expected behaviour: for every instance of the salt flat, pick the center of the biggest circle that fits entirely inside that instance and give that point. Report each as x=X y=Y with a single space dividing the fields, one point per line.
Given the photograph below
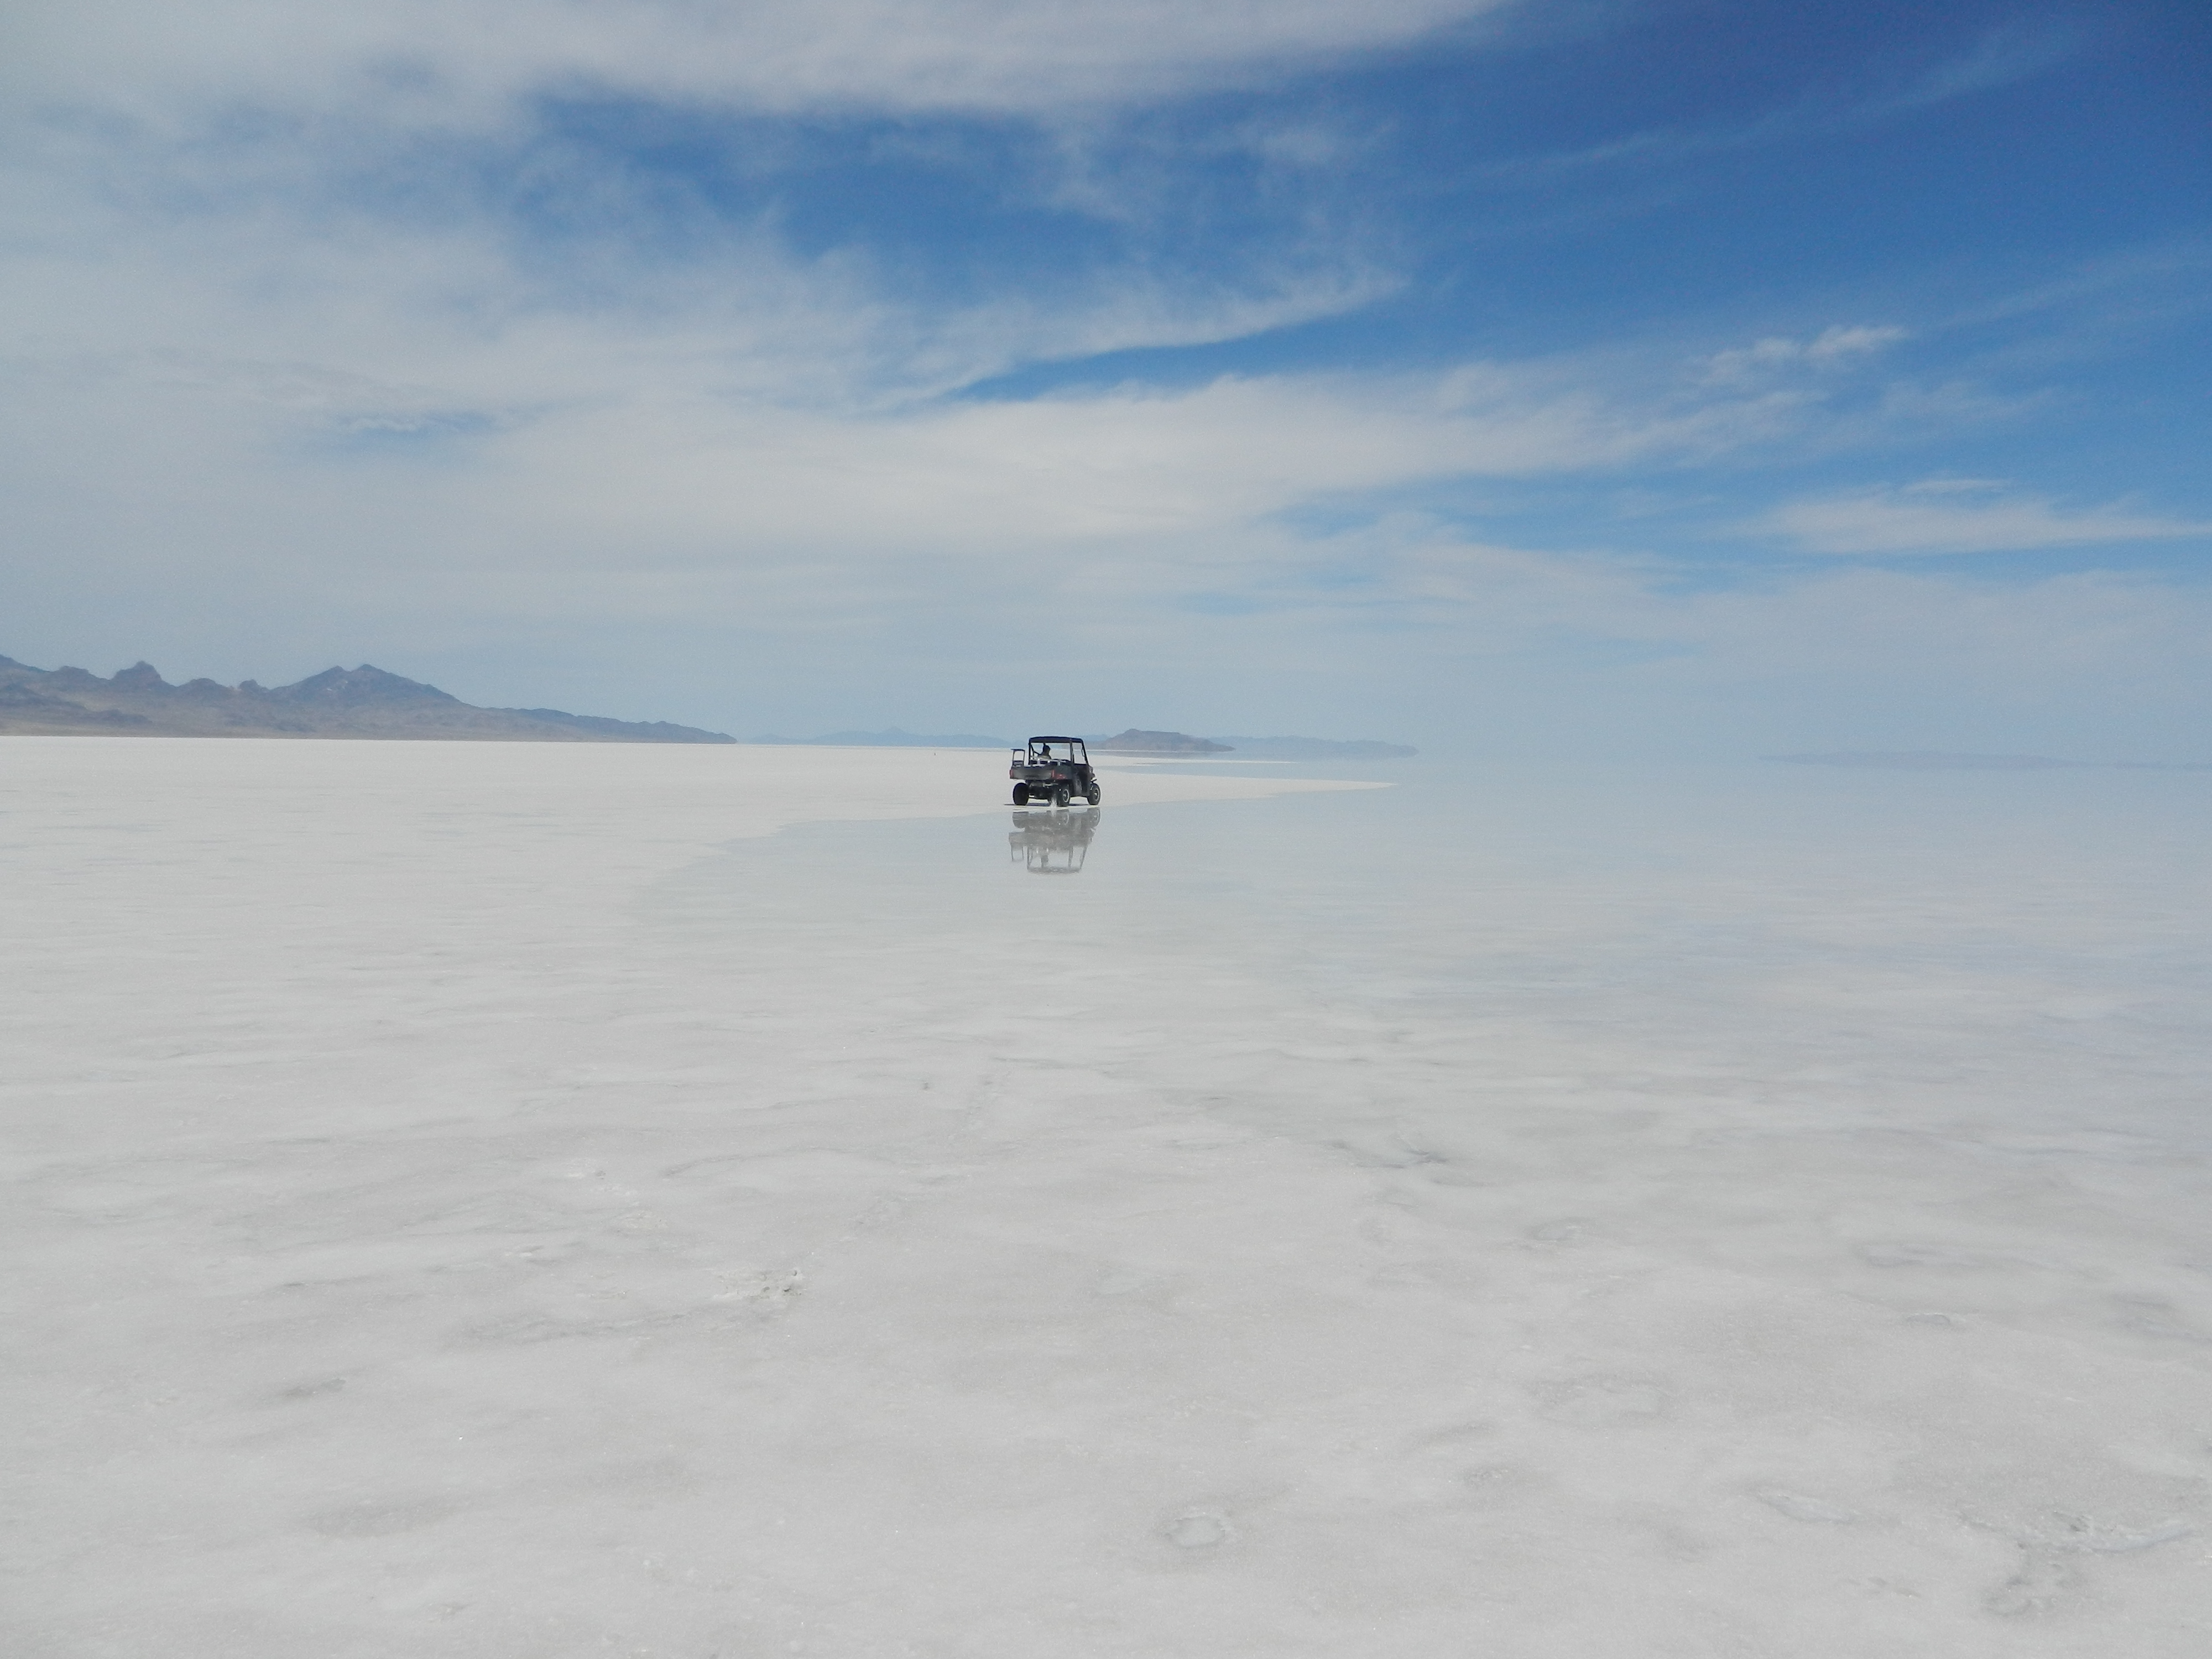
x=513 y=1200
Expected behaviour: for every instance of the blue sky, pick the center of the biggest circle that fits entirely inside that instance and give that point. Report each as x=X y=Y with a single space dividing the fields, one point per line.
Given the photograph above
x=1588 y=378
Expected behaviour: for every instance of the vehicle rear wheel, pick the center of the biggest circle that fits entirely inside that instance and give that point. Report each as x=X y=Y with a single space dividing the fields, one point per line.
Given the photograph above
x=1059 y=795
x=1021 y=794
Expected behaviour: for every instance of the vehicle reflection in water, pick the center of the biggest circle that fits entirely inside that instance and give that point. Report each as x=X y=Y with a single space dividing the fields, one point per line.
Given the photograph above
x=1053 y=843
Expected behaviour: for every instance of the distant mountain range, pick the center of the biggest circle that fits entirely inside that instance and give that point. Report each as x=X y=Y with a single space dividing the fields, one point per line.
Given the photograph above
x=369 y=703
x=338 y=702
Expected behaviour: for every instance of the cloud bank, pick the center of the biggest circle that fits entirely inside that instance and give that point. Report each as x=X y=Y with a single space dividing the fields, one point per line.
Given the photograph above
x=1945 y=516
x=414 y=59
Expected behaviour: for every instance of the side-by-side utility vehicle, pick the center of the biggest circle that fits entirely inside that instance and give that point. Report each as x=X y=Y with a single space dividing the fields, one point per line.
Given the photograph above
x=1055 y=770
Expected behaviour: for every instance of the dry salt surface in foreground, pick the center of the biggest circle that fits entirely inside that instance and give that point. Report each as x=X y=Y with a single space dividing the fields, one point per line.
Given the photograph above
x=547 y=1200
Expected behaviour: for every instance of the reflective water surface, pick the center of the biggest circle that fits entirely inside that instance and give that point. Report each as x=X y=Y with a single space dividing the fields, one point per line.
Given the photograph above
x=1053 y=843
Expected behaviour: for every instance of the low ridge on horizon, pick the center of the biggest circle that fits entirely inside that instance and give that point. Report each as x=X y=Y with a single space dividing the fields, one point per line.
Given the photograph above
x=1133 y=741
x=1940 y=760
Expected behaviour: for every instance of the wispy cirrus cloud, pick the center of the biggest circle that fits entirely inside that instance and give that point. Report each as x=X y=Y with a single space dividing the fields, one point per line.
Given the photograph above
x=1962 y=515
x=1996 y=57
x=1838 y=345
x=2012 y=52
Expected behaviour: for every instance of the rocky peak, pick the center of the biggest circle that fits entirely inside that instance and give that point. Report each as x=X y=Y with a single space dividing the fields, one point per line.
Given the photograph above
x=139 y=677
x=364 y=685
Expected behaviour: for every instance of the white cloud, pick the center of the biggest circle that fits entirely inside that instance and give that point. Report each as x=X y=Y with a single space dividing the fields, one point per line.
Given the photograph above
x=1837 y=344
x=1944 y=515
x=444 y=60
x=576 y=440
x=1615 y=649
x=1838 y=341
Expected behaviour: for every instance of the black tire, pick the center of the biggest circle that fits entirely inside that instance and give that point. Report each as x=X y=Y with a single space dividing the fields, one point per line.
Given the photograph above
x=1059 y=795
x=1021 y=794
x=1095 y=794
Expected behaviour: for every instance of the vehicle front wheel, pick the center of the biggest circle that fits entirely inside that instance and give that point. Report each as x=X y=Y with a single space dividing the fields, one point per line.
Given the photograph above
x=1059 y=796
x=1021 y=794
x=1095 y=795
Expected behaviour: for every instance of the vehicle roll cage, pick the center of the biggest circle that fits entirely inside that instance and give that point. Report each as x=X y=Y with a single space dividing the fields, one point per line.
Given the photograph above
x=1039 y=752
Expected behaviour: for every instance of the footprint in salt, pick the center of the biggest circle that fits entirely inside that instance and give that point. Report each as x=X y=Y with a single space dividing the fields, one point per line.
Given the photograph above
x=1569 y=1229
x=2086 y=1532
x=2154 y=1316
x=1798 y=1507
x=1197 y=1529
x=2044 y=1585
x=1601 y=1401
x=1936 y=1256
x=1499 y=1484
x=371 y=1519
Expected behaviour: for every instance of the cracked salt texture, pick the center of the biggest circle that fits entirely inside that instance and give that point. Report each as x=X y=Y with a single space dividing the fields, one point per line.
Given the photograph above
x=473 y=1200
